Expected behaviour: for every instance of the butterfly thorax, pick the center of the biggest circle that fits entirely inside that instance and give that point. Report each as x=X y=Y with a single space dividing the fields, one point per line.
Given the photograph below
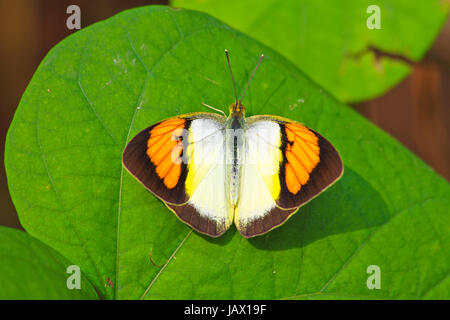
x=235 y=128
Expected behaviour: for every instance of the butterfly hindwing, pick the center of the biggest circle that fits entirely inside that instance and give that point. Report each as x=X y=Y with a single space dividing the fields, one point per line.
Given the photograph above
x=256 y=211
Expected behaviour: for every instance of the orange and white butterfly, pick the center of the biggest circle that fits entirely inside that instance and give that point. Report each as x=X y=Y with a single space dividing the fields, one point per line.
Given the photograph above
x=211 y=170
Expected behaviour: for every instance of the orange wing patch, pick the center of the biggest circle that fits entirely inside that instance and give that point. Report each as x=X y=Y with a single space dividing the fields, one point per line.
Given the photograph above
x=165 y=148
x=302 y=155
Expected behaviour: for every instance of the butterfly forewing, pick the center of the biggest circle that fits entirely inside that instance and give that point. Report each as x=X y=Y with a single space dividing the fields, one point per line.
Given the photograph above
x=154 y=155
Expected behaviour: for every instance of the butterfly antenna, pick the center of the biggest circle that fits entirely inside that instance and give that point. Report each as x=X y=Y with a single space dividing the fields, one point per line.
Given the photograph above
x=232 y=77
x=248 y=83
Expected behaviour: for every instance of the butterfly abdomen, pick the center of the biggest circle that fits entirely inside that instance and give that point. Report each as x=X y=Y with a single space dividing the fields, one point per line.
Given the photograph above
x=234 y=151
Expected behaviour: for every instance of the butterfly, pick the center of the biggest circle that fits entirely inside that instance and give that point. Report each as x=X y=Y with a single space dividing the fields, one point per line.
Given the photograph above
x=212 y=170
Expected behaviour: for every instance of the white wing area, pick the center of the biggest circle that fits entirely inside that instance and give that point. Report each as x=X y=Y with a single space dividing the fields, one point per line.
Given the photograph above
x=260 y=184
x=205 y=182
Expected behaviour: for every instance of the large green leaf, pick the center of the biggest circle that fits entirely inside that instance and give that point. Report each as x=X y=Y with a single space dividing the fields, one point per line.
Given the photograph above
x=31 y=270
x=330 y=41
x=99 y=87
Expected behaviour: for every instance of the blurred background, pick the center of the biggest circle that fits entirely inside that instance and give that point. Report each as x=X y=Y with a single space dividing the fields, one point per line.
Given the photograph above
x=416 y=112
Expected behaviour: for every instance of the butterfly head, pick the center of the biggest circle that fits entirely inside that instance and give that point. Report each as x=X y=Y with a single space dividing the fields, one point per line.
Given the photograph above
x=237 y=110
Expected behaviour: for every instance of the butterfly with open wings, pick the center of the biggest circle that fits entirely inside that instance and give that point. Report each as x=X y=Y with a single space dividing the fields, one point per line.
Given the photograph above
x=211 y=170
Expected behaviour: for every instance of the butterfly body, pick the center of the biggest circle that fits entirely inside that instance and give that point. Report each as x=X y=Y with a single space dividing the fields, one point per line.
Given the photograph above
x=235 y=127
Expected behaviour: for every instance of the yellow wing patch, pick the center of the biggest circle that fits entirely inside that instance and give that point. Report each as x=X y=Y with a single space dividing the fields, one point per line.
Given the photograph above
x=302 y=155
x=164 y=148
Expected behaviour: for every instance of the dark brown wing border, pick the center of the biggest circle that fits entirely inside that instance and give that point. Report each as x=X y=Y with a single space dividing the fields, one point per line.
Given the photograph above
x=271 y=220
x=189 y=215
